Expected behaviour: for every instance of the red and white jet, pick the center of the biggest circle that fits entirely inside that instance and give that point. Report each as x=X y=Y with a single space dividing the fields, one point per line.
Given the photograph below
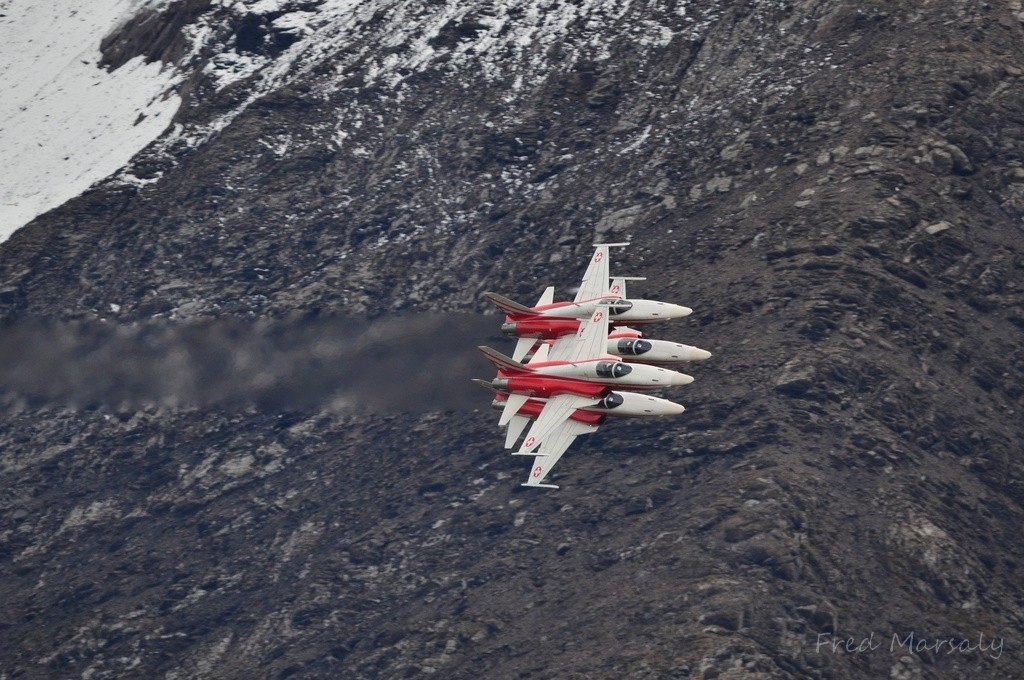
x=583 y=420
x=550 y=320
x=576 y=375
x=631 y=345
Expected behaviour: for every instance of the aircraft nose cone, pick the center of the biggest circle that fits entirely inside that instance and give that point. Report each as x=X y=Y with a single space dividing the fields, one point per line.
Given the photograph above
x=673 y=409
x=678 y=311
x=700 y=354
x=681 y=378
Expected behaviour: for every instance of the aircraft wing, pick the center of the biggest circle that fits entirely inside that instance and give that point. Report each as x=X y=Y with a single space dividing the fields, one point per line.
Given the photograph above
x=553 y=416
x=595 y=279
x=589 y=342
x=552 y=450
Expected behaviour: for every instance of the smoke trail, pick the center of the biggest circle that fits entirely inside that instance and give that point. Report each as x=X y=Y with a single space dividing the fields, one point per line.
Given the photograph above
x=410 y=363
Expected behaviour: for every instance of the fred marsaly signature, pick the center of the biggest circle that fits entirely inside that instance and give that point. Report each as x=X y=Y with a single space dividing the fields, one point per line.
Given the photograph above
x=909 y=642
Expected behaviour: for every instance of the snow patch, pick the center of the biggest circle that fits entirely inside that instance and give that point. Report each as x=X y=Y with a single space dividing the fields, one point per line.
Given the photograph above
x=65 y=123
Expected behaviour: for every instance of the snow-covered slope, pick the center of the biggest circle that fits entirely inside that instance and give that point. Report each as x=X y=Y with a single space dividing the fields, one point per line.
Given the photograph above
x=65 y=123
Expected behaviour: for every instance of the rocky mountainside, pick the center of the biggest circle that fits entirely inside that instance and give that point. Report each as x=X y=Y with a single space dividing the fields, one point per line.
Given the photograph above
x=835 y=187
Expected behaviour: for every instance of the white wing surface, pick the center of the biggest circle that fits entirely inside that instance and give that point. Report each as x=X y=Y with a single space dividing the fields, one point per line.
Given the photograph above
x=552 y=450
x=589 y=342
x=595 y=279
x=553 y=417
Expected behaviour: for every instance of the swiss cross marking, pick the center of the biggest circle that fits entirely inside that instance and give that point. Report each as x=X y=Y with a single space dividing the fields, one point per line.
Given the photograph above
x=537 y=470
x=598 y=256
x=616 y=289
x=529 y=442
x=598 y=316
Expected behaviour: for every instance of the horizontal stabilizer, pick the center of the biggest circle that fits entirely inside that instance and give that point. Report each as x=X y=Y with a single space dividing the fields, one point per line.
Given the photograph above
x=512 y=405
x=510 y=307
x=541 y=486
x=523 y=347
x=502 y=362
x=541 y=355
x=515 y=430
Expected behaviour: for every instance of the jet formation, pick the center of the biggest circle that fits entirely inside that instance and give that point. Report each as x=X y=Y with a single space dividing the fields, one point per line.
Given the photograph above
x=575 y=364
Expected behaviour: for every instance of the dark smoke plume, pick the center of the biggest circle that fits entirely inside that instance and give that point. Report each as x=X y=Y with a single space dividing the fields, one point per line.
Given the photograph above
x=412 y=363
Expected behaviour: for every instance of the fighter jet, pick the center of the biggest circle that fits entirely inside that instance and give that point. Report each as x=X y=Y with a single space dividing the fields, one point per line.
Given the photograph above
x=549 y=320
x=586 y=419
x=631 y=345
x=575 y=376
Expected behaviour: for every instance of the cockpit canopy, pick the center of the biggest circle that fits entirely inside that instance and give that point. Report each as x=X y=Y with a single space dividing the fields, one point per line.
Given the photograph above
x=619 y=306
x=612 y=400
x=634 y=346
x=613 y=369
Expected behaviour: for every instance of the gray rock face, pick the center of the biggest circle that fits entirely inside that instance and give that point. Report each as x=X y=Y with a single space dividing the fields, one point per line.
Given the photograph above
x=836 y=189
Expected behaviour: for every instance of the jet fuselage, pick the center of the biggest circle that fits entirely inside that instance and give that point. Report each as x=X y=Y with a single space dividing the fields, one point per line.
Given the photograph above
x=545 y=387
x=610 y=371
x=620 y=310
x=642 y=350
x=617 y=404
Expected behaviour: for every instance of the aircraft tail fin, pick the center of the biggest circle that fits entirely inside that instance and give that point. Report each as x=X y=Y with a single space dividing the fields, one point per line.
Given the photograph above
x=502 y=362
x=510 y=307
